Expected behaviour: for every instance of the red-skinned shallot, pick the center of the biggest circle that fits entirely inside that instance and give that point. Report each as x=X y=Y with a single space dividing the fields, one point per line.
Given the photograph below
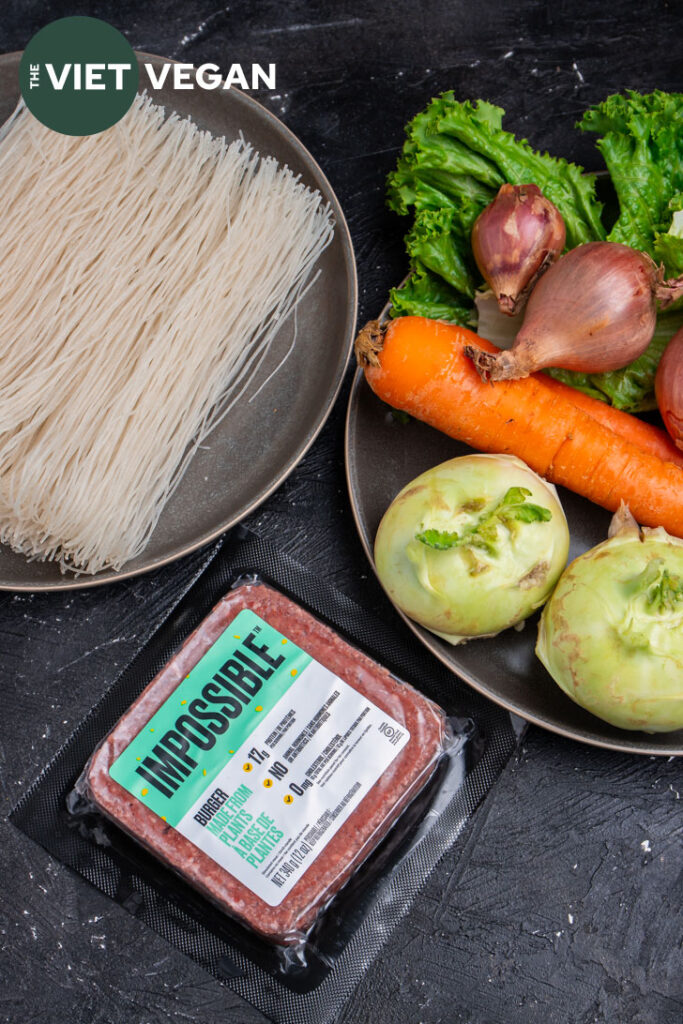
x=592 y=311
x=514 y=240
x=669 y=388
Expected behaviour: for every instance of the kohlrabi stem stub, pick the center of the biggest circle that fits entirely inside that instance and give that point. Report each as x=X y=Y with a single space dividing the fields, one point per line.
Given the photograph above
x=483 y=533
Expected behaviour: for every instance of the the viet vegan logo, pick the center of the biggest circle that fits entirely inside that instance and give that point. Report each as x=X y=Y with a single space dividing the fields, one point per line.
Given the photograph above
x=79 y=76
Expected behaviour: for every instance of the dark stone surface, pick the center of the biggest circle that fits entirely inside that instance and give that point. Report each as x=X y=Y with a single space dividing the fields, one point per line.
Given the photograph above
x=565 y=906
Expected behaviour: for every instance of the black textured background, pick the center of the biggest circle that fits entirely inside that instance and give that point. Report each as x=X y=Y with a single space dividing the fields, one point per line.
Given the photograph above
x=565 y=908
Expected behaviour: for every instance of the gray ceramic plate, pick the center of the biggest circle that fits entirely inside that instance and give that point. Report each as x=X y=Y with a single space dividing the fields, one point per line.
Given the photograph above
x=260 y=442
x=382 y=455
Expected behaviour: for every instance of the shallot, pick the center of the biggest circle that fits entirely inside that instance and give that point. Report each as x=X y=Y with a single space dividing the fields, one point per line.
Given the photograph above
x=514 y=240
x=592 y=311
x=669 y=388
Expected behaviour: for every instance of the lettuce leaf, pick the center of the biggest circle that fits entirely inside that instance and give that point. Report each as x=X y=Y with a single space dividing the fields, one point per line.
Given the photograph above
x=642 y=145
x=434 y=241
x=427 y=294
x=462 y=151
x=479 y=127
x=455 y=158
x=669 y=245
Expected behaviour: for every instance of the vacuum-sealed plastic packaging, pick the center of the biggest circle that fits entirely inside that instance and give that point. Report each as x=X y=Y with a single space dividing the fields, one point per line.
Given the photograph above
x=260 y=791
x=266 y=761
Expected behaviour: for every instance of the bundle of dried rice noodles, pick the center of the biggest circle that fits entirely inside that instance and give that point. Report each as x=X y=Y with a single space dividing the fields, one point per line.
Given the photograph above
x=145 y=271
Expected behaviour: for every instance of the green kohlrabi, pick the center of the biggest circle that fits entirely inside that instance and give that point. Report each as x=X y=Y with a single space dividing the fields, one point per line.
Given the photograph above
x=472 y=546
x=611 y=635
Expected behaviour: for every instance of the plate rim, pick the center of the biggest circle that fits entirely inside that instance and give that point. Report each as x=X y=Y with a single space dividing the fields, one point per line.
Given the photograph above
x=82 y=582
x=625 y=747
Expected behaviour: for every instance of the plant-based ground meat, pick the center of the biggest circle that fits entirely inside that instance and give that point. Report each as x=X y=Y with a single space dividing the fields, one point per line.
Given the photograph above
x=339 y=748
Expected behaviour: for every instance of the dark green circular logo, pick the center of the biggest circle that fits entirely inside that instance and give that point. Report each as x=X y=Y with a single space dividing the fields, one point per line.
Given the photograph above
x=78 y=76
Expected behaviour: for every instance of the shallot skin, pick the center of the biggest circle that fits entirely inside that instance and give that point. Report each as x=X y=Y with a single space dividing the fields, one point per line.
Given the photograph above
x=514 y=240
x=592 y=311
x=669 y=388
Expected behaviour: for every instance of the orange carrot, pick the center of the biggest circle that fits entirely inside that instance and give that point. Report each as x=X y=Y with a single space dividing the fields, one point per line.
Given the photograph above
x=644 y=435
x=419 y=366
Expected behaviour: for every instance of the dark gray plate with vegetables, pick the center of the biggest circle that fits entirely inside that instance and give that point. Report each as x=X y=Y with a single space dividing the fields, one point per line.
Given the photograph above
x=454 y=161
x=382 y=455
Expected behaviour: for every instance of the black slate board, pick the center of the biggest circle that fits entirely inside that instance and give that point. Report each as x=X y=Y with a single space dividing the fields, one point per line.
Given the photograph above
x=562 y=832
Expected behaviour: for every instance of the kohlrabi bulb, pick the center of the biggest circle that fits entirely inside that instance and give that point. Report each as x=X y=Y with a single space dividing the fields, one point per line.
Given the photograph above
x=472 y=546
x=611 y=635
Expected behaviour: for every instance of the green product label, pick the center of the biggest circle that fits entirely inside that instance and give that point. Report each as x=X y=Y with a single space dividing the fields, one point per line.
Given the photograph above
x=195 y=733
x=78 y=76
